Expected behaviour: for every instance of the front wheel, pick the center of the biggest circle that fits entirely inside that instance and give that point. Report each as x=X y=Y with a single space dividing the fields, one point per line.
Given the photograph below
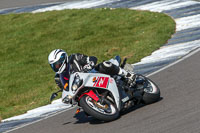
x=105 y=112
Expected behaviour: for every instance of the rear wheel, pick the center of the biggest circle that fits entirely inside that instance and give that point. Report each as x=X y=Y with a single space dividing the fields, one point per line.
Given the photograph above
x=151 y=93
x=105 y=112
x=151 y=90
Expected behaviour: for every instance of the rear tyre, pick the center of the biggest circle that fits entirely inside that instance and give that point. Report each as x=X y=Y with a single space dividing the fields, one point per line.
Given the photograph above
x=151 y=92
x=104 y=112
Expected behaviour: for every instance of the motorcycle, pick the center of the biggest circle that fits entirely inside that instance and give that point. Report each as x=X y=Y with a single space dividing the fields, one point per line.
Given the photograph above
x=104 y=97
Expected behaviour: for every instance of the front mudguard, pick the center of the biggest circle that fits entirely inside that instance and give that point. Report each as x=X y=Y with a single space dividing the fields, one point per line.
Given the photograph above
x=90 y=94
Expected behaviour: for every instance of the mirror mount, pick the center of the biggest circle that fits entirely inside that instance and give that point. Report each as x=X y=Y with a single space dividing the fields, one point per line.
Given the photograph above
x=55 y=94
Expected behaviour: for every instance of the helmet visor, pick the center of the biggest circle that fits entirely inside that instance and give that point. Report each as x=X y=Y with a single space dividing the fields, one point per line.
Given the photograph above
x=56 y=65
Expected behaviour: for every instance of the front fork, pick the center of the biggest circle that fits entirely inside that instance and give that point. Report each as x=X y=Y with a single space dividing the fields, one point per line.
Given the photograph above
x=94 y=96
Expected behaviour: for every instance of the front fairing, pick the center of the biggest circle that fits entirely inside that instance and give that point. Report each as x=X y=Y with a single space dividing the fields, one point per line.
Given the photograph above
x=94 y=80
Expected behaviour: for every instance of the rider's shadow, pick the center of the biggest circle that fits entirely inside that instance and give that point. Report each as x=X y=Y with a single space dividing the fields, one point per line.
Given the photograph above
x=138 y=107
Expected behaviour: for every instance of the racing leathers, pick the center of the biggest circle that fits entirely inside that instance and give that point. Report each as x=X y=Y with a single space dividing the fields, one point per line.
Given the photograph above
x=77 y=62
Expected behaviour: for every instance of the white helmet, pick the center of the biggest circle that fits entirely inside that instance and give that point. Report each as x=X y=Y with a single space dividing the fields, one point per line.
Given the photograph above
x=58 y=60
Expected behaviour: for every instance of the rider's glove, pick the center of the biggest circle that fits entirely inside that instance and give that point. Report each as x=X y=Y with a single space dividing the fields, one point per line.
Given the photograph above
x=89 y=65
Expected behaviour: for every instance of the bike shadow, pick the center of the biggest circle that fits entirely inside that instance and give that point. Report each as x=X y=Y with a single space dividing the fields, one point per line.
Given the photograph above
x=83 y=118
x=138 y=107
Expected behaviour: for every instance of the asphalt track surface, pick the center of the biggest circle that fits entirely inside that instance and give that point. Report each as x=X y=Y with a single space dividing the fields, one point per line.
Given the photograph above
x=177 y=111
x=22 y=3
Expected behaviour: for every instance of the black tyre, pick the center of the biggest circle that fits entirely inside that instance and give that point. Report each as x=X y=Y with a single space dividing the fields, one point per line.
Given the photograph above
x=151 y=92
x=105 y=112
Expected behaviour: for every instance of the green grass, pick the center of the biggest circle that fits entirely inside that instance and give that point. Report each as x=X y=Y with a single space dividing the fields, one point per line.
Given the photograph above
x=26 y=79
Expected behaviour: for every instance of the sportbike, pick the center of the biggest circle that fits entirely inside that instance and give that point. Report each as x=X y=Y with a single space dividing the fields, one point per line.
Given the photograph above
x=104 y=97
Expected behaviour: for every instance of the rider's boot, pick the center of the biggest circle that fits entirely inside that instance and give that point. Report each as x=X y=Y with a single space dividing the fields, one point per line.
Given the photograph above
x=128 y=75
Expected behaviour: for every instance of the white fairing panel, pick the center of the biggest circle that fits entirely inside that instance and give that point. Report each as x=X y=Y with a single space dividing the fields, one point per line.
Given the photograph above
x=65 y=93
x=103 y=81
x=95 y=80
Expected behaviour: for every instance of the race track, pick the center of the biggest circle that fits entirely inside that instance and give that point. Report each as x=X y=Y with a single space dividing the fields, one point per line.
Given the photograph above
x=23 y=3
x=177 y=111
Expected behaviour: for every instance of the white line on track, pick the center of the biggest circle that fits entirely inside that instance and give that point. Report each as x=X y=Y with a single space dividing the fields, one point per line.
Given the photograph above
x=39 y=120
x=183 y=58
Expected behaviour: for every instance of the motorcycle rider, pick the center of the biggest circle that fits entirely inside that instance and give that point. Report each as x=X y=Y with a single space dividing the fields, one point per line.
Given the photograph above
x=64 y=65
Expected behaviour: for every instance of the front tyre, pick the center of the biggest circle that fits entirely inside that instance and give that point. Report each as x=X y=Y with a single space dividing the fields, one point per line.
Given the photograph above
x=104 y=112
